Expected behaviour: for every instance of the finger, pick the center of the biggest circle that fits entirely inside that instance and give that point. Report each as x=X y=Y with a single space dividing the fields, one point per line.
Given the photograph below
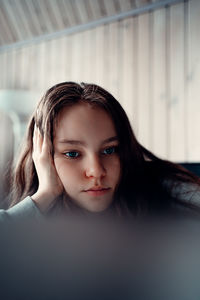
x=34 y=137
x=35 y=141
x=46 y=144
x=39 y=140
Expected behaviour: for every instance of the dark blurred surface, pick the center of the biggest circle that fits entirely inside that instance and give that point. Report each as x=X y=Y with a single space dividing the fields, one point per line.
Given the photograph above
x=105 y=259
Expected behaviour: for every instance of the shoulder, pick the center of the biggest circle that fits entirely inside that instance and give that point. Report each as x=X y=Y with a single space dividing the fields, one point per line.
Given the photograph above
x=187 y=194
x=185 y=190
x=24 y=209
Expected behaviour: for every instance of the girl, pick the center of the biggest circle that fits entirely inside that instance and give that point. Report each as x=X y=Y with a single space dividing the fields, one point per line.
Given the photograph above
x=81 y=154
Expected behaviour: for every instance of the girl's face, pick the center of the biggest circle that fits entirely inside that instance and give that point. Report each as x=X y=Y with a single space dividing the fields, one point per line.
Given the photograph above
x=86 y=156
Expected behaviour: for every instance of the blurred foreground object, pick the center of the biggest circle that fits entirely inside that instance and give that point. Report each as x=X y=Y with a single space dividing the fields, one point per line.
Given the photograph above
x=82 y=258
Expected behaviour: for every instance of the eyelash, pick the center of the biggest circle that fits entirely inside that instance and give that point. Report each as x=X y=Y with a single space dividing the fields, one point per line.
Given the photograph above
x=114 y=148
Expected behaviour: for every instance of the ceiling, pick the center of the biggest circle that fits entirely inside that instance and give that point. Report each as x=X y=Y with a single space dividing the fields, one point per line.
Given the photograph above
x=22 y=20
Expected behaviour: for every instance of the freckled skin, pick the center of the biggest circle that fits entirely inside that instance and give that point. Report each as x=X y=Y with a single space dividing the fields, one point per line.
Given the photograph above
x=94 y=166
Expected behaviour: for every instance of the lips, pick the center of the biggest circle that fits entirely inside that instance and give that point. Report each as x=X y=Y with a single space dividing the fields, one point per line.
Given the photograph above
x=97 y=191
x=97 y=188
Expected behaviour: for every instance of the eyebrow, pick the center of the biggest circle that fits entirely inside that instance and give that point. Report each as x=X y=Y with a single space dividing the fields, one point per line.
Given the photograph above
x=75 y=142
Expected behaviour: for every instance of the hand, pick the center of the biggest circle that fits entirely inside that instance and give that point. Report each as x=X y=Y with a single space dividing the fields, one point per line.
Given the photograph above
x=50 y=186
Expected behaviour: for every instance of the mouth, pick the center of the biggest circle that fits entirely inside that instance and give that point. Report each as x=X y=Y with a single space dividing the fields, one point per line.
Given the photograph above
x=97 y=191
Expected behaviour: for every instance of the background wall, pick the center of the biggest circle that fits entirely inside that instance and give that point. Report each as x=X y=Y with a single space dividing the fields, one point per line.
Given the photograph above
x=150 y=62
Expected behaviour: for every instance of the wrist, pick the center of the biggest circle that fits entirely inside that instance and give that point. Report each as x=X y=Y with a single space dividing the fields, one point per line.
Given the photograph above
x=42 y=201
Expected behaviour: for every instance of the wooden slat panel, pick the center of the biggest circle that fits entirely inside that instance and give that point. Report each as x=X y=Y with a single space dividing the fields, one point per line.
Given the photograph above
x=17 y=65
x=144 y=99
x=44 y=69
x=34 y=71
x=69 y=13
x=41 y=66
x=79 y=64
x=63 y=60
x=25 y=69
x=89 y=10
x=54 y=8
x=9 y=70
x=128 y=84
x=102 y=8
x=31 y=13
x=105 y=59
x=95 y=8
x=113 y=55
x=194 y=81
x=81 y=10
x=117 y=6
x=9 y=15
x=44 y=17
x=63 y=13
x=133 y=3
x=177 y=124
x=67 y=55
x=6 y=34
x=99 y=54
x=73 y=11
x=3 y=66
x=49 y=8
x=90 y=64
x=38 y=16
x=20 y=9
x=86 y=57
x=54 y=62
x=160 y=97
x=124 y=5
x=17 y=15
x=110 y=7
x=50 y=59
x=140 y=3
x=142 y=61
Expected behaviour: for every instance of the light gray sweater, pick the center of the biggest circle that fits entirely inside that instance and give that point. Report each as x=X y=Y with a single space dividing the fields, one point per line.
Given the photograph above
x=24 y=209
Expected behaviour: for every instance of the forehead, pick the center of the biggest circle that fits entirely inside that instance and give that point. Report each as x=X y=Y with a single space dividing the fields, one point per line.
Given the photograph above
x=82 y=120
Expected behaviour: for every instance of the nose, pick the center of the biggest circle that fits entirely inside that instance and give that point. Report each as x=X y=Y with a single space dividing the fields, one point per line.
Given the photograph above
x=95 y=168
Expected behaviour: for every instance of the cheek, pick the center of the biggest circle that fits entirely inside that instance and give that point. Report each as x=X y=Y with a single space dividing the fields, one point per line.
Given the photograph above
x=66 y=171
x=114 y=168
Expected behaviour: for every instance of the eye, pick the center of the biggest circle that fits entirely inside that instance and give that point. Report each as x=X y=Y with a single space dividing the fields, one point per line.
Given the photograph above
x=110 y=150
x=72 y=154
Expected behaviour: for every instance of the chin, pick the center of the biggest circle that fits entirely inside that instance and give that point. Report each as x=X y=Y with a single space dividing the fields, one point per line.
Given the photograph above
x=97 y=209
x=94 y=205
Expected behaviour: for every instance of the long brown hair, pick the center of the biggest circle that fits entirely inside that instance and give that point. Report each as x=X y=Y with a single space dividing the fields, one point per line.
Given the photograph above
x=146 y=182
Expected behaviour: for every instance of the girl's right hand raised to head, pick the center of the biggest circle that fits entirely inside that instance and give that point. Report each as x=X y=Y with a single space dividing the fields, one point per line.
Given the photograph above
x=50 y=186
